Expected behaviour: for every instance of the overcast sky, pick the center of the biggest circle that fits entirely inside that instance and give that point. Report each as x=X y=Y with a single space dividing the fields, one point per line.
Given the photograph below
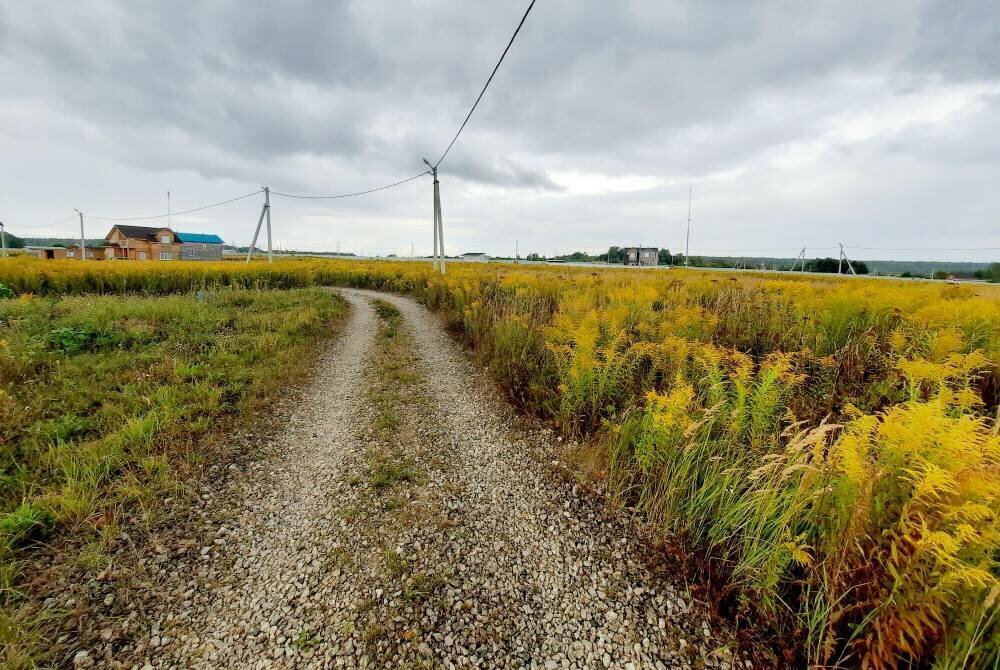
x=875 y=124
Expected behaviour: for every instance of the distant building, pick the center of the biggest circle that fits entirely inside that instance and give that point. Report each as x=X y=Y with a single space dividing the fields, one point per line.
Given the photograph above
x=200 y=246
x=475 y=257
x=141 y=243
x=642 y=256
x=50 y=253
x=54 y=253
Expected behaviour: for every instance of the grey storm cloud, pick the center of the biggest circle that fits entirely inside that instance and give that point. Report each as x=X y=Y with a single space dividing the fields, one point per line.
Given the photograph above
x=769 y=100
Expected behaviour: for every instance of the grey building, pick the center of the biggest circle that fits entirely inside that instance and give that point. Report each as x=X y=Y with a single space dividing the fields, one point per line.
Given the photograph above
x=200 y=246
x=642 y=256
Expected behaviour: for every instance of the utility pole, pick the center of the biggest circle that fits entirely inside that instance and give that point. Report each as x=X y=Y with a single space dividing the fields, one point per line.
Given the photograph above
x=83 y=242
x=687 y=243
x=267 y=210
x=516 y=256
x=168 y=209
x=3 y=239
x=438 y=224
x=800 y=257
x=843 y=257
x=264 y=211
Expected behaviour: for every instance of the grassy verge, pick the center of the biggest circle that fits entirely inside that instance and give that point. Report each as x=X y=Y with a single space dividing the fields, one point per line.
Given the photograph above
x=107 y=404
x=389 y=464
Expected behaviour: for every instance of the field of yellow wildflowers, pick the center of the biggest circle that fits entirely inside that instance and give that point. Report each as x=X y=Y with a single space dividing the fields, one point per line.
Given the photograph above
x=829 y=445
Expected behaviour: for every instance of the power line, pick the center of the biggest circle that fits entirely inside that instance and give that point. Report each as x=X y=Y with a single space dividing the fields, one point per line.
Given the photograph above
x=54 y=223
x=351 y=195
x=759 y=250
x=926 y=249
x=481 y=93
x=163 y=216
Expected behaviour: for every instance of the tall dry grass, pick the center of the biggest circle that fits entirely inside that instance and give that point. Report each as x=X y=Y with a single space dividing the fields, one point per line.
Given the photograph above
x=830 y=445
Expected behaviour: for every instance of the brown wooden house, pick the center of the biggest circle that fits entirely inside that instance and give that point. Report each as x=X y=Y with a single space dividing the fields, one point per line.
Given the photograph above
x=141 y=243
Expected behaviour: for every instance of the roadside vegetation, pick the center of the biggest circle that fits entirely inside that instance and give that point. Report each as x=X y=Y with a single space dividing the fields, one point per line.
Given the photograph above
x=389 y=464
x=108 y=404
x=829 y=447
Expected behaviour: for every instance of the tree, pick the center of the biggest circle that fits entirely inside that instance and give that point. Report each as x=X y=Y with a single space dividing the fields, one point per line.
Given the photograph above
x=614 y=255
x=13 y=241
x=833 y=265
x=664 y=258
x=993 y=274
x=533 y=257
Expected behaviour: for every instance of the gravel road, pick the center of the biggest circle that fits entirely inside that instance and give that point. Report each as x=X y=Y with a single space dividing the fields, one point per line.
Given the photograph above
x=475 y=552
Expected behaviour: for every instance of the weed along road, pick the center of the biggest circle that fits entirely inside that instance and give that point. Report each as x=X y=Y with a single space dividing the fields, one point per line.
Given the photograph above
x=405 y=517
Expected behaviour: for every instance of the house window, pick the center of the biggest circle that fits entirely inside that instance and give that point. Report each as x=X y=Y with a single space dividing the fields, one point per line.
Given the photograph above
x=142 y=255
x=165 y=239
x=70 y=254
x=166 y=255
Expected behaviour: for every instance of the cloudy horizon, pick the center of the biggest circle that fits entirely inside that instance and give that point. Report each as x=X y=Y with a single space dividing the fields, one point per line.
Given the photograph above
x=873 y=125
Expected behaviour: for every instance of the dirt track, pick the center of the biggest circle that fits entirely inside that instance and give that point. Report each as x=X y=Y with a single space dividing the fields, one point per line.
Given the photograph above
x=474 y=554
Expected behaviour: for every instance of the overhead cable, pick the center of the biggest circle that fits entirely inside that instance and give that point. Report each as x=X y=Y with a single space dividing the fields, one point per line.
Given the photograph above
x=351 y=195
x=54 y=223
x=925 y=248
x=163 y=216
x=481 y=93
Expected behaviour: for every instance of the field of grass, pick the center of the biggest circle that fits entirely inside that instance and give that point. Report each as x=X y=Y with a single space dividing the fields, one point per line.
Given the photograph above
x=107 y=403
x=828 y=446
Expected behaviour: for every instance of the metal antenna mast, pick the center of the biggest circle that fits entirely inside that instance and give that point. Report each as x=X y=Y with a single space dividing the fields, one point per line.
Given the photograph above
x=687 y=243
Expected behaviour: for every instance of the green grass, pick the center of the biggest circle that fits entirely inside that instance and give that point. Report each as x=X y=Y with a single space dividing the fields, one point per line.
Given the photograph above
x=388 y=465
x=107 y=403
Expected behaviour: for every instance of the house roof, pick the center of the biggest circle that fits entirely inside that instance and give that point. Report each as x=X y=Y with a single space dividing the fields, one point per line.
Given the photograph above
x=474 y=253
x=138 y=232
x=199 y=238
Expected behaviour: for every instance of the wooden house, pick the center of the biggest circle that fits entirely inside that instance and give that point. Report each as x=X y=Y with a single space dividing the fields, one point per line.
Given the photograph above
x=141 y=243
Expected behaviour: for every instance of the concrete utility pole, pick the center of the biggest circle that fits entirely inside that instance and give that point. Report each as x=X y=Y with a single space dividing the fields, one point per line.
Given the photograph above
x=168 y=209
x=83 y=241
x=687 y=243
x=800 y=257
x=843 y=257
x=3 y=239
x=267 y=210
x=264 y=211
x=438 y=224
x=516 y=257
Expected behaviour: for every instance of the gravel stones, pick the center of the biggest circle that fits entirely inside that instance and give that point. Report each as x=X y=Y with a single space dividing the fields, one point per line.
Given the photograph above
x=481 y=558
